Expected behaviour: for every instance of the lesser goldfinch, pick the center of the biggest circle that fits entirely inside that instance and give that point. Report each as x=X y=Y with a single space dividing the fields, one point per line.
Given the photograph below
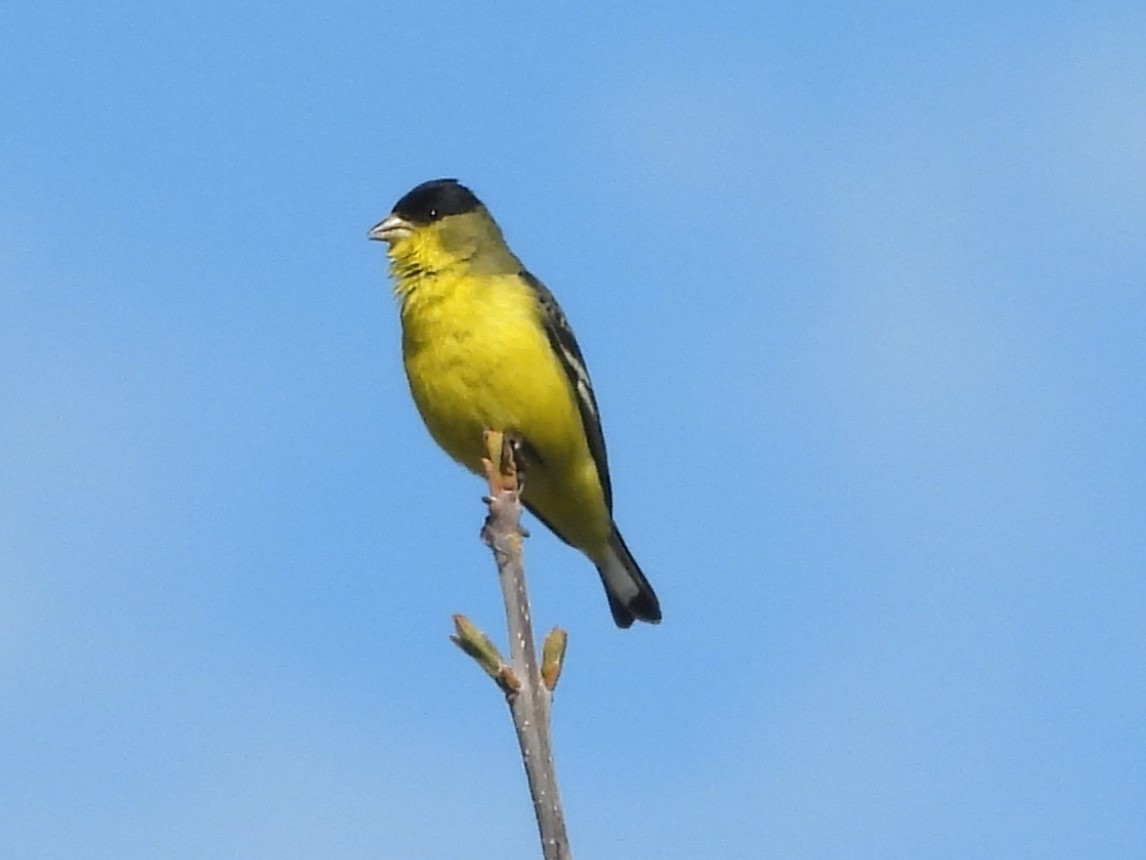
x=486 y=346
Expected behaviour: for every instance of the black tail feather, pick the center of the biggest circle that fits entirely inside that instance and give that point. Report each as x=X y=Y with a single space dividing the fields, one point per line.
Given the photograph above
x=631 y=597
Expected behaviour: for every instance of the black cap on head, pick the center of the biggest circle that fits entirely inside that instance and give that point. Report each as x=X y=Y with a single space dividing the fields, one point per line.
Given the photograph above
x=436 y=199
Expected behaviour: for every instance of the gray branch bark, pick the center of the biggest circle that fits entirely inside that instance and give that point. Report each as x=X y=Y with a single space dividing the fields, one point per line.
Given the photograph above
x=528 y=685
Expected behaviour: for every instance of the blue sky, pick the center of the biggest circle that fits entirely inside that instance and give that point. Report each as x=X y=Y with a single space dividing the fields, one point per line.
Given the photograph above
x=862 y=294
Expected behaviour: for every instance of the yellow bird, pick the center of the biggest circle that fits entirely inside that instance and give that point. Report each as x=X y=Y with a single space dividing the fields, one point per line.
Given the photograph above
x=486 y=346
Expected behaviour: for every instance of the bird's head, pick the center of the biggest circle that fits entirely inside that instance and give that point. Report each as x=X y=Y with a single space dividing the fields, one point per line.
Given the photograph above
x=438 y=225
x=427 y=205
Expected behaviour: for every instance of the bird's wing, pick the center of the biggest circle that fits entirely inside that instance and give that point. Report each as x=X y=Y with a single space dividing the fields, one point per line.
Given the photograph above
x=565 y=347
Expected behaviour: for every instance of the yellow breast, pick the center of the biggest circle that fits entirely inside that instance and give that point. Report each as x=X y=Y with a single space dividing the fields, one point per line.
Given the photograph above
x=477 y=358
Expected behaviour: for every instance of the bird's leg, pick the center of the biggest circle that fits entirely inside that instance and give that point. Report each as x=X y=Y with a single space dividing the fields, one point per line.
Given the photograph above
x=505 y=461
x=499 y=462
x=522 y=454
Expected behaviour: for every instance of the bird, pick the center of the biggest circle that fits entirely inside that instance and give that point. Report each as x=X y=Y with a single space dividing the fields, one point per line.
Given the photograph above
x=486 y=346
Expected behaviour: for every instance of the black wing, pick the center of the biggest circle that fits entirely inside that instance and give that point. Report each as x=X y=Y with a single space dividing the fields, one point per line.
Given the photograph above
x=573 y=363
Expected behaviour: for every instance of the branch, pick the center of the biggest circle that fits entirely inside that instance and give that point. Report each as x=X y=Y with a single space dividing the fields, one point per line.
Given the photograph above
x=528 y=687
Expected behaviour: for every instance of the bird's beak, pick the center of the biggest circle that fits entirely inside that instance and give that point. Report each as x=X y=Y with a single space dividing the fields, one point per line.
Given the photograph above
x=392 y=230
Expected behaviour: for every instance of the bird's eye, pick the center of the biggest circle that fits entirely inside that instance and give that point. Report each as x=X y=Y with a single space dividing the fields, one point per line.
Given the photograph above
x=433 y=214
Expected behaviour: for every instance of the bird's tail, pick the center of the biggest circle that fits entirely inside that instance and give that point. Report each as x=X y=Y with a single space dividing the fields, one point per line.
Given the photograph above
x=630 y=595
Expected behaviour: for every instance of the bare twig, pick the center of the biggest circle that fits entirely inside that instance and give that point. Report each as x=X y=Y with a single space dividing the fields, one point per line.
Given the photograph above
x=479 y=646
x=528 y=687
